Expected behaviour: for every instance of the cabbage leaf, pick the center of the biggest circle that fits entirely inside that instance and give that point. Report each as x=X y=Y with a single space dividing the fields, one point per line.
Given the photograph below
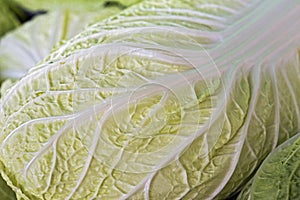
x=33 y=41
x=166 y=100
x=278 y=176
x=92 y=5
x=5 y=191
x=8 y=18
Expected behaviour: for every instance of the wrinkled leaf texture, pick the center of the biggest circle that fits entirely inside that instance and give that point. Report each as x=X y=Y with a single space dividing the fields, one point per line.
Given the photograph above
x=26 y=46
x=167 y=100
x=279 y=175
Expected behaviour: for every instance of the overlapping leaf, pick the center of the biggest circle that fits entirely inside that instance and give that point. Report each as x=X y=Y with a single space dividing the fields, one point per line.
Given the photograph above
x=168 y=100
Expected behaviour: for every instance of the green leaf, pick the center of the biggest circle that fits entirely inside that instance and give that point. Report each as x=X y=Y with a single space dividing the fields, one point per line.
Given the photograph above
x=8 y=19
x=278 y=176
x=26 y=46
x=5 y=191
x=92 y=5
x=166 y=100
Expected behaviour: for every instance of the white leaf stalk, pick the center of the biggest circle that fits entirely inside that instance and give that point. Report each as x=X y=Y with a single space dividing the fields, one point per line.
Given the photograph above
x=172 y=100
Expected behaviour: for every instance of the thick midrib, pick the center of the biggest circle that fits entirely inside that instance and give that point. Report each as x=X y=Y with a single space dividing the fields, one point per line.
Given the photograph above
x=249 y=37
x=260 y=32
x=243 y=34
x=257 y=27
x=232 y=53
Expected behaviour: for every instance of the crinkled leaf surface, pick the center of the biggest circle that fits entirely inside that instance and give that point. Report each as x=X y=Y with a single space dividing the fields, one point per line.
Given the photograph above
x=25 y=47
x=279 y=175
x=167 y=100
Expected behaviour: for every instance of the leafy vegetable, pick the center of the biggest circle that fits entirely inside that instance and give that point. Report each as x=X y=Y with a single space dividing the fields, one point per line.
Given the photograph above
x=13 y=14
x=245 y=193
x=5 y=191
x=8 y=18
x=33 y=41
x=278 y=176
x=167 y=100
x=92 y=5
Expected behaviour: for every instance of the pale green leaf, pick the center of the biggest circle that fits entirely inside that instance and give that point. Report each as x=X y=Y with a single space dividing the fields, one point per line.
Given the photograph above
x=279 y=175
x=26 y=46
x=166 y=100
